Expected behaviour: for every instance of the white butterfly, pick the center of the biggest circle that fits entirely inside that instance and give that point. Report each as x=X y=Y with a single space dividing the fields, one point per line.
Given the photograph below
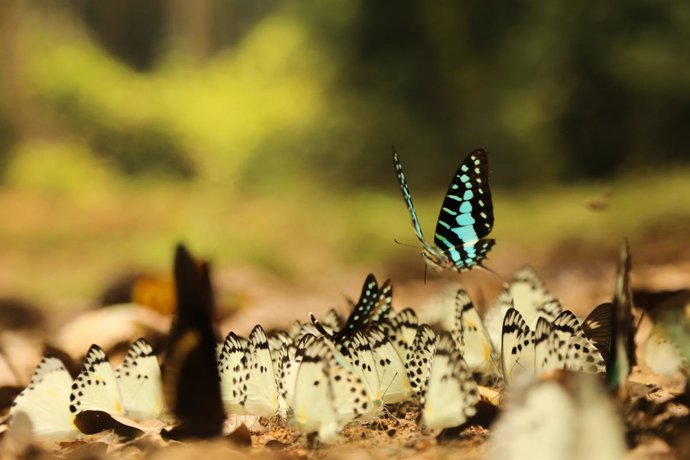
x=260 y=391
x=560 y=344
x=393 y=379
x=289 y=358
x=332 y=321
x=573 y=349
x=46 y=401
x=662 y=354
x=418 y=361
x=517 y=346
x=528 y=295
x=96 y=388
x=327 y=395
x=401 y=330
x=471 y=337
x=231 y=373
x=451 y=394
x=363 y=362
x=312 y=405
x=139 y=380
x=569 y=417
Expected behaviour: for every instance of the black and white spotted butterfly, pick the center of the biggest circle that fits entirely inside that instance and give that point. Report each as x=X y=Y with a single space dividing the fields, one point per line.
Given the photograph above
x=45 y=401
x=465 y=219
x=517 y=346
x=257 y=378
x=560 y=344
x=394 y=383
x=139 y=380
x=451 y=394
x=401 y=330
x=529 y=296
x=96 y=388
x=472 y=338
x=326 y=395
x=418 y=361
x=232 y=373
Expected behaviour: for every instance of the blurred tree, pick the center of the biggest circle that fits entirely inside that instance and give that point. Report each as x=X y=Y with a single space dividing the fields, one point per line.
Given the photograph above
x=131 y=30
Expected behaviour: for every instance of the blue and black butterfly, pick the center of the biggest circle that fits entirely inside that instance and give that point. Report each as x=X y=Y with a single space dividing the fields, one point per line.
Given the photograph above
x=374 y=305
x=466 y=216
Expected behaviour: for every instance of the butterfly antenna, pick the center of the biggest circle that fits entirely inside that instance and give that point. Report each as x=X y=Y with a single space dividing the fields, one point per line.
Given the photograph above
x=500 y=278
x=407 y=245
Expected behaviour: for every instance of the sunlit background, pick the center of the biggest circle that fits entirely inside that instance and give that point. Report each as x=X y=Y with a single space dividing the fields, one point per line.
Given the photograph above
x=260 y=134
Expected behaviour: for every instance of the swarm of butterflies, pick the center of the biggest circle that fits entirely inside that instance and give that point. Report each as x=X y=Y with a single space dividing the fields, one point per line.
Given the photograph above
x=321 y=375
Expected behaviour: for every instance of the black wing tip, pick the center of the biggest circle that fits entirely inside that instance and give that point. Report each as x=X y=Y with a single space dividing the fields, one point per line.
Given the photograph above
x=480 y=152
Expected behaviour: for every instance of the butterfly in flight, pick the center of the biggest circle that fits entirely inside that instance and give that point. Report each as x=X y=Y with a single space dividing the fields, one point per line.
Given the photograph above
x=466 y=216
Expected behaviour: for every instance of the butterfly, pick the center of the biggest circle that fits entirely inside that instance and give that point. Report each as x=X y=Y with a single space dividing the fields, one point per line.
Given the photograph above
x=45 y=401
x=258 y=382
x=471 y=337
x=517 y=346
x=374 y=305
x=326 y=394
x=562 y=344
x=568 y=416
x=312 y=396
x=96 y=388
x=623 y=330
x=529 y=296
x=362 y=360
x=557 y=344
x=451 y=394
x=466 y=216
x=139 y=380
x=289 y=358
x=418 y=360
x=230 y=372
x=401 y=330
x=393 y=379
x=191 y=384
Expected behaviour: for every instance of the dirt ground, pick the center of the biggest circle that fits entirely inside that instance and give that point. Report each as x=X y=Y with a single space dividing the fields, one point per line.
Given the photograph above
x=655 y=413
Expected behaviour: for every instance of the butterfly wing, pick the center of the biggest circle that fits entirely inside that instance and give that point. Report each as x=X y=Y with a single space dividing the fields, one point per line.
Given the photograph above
x=543 y=337
x=45 y=401
x=286 y=378
x=364 y=364
x=466 y=214
x=452 y=393
x=401 y=331
x=393 y=377
x=517 y=346
x=418 y=362
x=261 y=394
x=623 y=333
x=573 y=348
x=332 y=320
x=408 y=199
x=231 y=373
x=471 y=336
x=597 y=327
x=139 y=380
x=313 y=402
x=95 y=388
x=374 y=305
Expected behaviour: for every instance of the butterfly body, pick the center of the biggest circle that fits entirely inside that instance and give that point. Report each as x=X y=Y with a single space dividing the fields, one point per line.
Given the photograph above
x=466 y=216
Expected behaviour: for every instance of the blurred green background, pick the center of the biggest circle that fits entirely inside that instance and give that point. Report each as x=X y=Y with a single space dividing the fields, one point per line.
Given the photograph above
x=260 y=133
